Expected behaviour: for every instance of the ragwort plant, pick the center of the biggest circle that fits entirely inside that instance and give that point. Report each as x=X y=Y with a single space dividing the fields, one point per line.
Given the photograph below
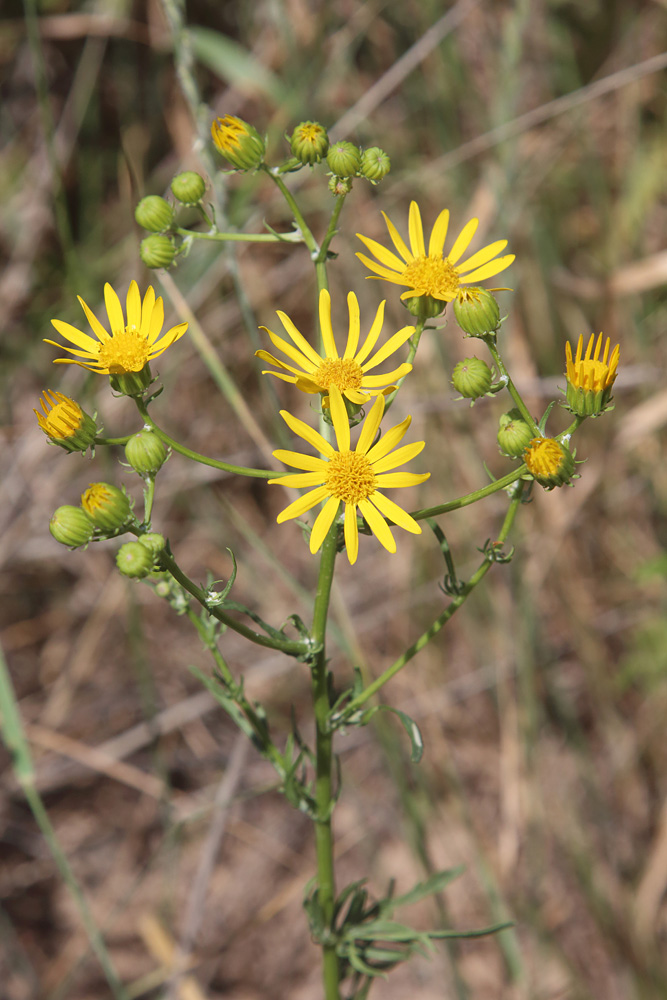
x=353 y=460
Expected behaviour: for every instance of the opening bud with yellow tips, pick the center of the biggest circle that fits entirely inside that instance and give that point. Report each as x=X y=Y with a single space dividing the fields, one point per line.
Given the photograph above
x=472 y=377
x=549 y=462
x=71 y=526
x=107 y=507
x=514 y=433
x=309 y=143
x=65 y=423
x=154 y=213
x=146 y=453
x=240 y=143
x=134 y=560
x=590 y=378
x=476 y=311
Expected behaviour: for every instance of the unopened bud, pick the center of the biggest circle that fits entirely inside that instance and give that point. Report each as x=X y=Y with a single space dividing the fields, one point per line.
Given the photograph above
x=157 y=251
x=476 y=311
x=309 y=143
x=375 y=164
x=154 y=213
x=472 y=377
x=134 y=560
x=344 y=159
x=146 y=453
x=514 y=433
x=71 y=526
x=188 y=187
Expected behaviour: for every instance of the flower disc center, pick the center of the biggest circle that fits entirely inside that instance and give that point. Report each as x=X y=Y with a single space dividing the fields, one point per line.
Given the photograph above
x=342 y=373
x=432 y=276
x=350 y=477
x=126 y=351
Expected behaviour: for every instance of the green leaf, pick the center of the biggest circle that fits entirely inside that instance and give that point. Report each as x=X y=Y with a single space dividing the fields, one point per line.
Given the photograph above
x=435 y=883
x=233 y=63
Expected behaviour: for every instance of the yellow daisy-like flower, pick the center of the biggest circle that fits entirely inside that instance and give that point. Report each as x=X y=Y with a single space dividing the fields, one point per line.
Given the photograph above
x=432 y=273
x=130 y=345
x=549 y=461
x=590 y=378
x=353 y=478
x=65 y=423
x=347 y=374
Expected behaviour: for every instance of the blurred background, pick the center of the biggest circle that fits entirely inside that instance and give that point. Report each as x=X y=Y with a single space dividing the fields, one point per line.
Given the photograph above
x=542 y=704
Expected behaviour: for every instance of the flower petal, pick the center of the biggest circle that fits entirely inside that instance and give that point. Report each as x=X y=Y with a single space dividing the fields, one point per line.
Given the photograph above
x=323 y=522
x=157 y=320
x=436 y=244
x=388 y=441
x=482 y=256
x=95 y=325
x=265 y=356
x=326 y=330
x=416 y=231
x=399 y=457
x=303 y=504
x=91 y=354
x=308 y=434
x=397 y=240
x=133 y=304
x=298 y=339
x=302 y=480
x=463 y=241
x=371 y=426
x=372 y=381
x=393 y=344
x=378 y=525
x=383 y=272
x=395 y=513
x=147 y=313
x=114 y=309
x=300 y=461
x=295 y=355
x=74 y=336
x=488 y=270
x=373 y=334
x=385 y=256
x=341 y=421
x=351 y=532
x=396 y=480
x=354 y=327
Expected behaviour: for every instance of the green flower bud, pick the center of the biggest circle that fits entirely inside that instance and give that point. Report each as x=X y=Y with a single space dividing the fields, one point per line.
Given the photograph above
x=340 y=185
x=108 y=507
x=71 y=526
x=157 y=251
x=65 y=423
x=472 y=377
x=375 y=164
x=154 y=213
x=145 y=453
x=153 y=542
x=514 y=434
x=309 y=143
x=424 y=306
x=549 y=462
x=344 y=159
x=476 y=311
x=188 y=187
x=239 y=142
x=134 y=560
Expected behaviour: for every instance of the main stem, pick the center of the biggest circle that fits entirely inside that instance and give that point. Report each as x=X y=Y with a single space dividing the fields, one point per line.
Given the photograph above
x=324 y=766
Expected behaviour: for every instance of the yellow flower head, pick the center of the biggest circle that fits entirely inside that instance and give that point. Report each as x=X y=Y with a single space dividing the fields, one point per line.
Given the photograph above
x=432 y=273
x=347 y=374
x=239 y=142
x=549 y=461
x=65 y=423
x=590 y=378
x=130 y=345
x=353 y=478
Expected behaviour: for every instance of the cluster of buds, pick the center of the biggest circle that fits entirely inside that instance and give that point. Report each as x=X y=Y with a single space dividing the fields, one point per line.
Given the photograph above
x=104 y=511
x=138 y=559
x=157 y=216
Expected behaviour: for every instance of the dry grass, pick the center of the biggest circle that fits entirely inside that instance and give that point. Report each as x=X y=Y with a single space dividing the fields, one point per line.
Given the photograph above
x=542 y=707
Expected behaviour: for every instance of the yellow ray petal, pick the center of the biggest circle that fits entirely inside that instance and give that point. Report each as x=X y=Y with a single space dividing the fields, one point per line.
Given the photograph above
x=114 y=309
x=351 y=532
x=74 y=336
x=300 y=461
x=292 y=352
x=398 y=457
x=308 y=434
x=71 y=350
x=463 y=241
x=488 y=270
x=396 y=480
x=382 y=272
x=355 y=396
x=371 y=426
x=341 y=421
x=354 y=327
x=323 y=522
x=157 y=320
x=95 y=324
x=482 y=256
x=372 y=381
x=395 y=513
x=303 y=504
x=133 y=305
x=386 y=257
x=265 y=356
x=298 y=338
x=416 y=231
x=302 y=480
x=436 y=244
x=393 y=344
x=373 y=334
x=147 y=313
x=388 y=441
x=397 y=239
x=378 y=525
x=328 y=339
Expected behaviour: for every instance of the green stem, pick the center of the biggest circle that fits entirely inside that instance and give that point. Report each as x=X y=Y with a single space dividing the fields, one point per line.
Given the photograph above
x=291 y=647
x=107 y=442
x=465 y=501
x=241 y=237
x=324 y=763
x=414 y=344
x=511 y=388
x=306 y=233
x=239 y=470
x=442 y=619
x=332 y=229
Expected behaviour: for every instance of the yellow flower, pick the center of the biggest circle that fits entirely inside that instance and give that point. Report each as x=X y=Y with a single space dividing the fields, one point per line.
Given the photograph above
x=65 y=423
x=353 y=478
x=347 y=374
x=550 y=462
x=130 y=346
x=432 y=273
x=590 y=378
x=239 y=142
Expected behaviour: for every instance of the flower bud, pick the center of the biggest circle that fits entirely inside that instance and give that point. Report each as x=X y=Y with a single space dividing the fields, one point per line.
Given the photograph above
x=549 y=462
x=146 y=453
x=132 y=383
x=239 y=142
x=514 y=433
x=340 y=185
x=154 y=213
x=65 y=423
x=153 y=542
x=309 y=143
x=590 y=378
x=344 y=159
x=134 y=560
x=375 y=164
x=188 y=187
x=424 y=306
x=157 y=251
x=472 y=377
x=108 y=507
x=476 y=311
x=71 y=526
